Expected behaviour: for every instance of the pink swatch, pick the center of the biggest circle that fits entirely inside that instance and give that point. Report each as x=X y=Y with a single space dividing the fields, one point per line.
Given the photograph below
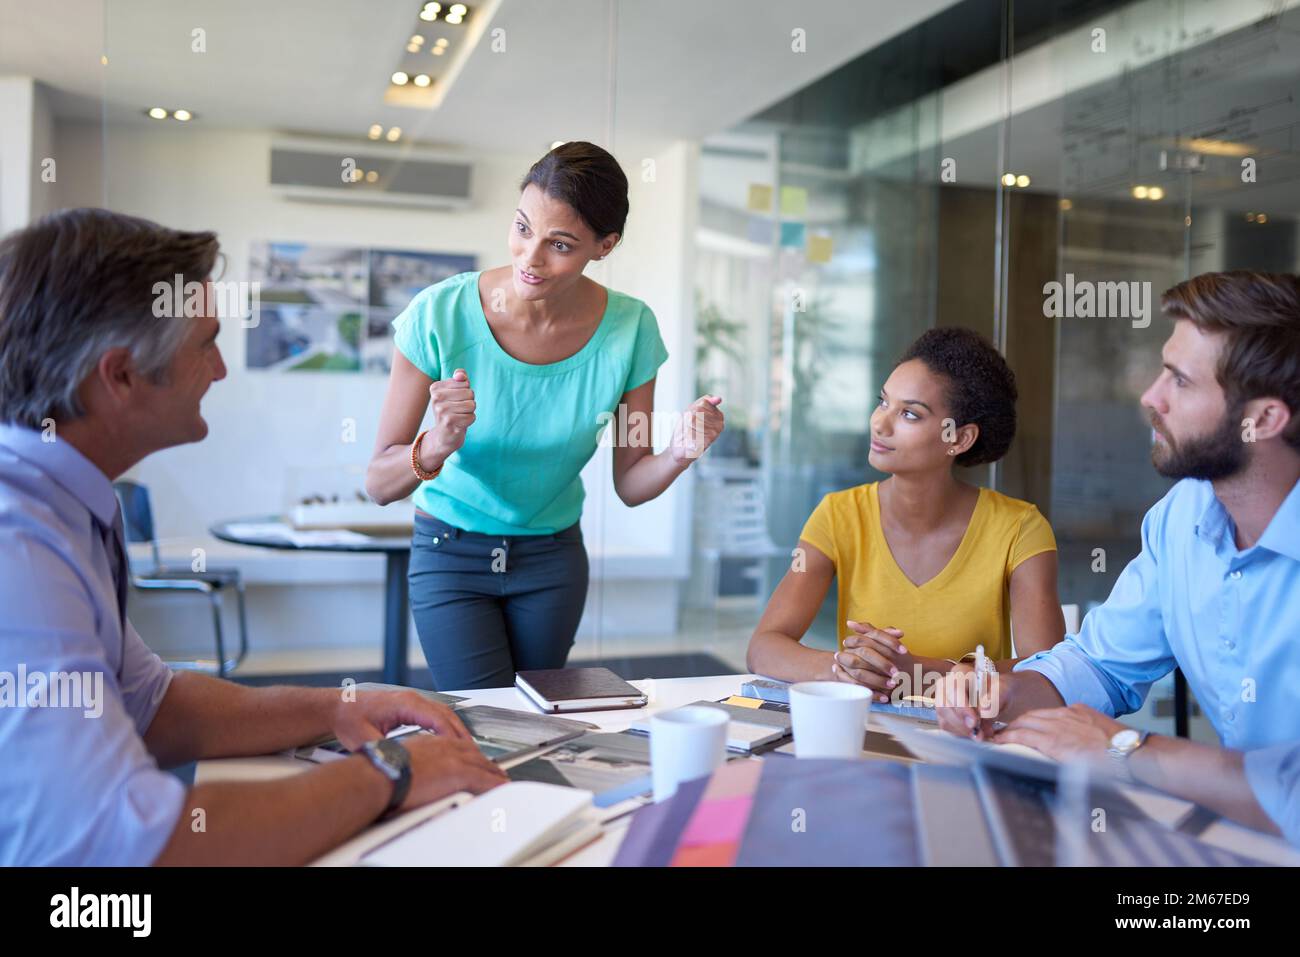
x=717 y=822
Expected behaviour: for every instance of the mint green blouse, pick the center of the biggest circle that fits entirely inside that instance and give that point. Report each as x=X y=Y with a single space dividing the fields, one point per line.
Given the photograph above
x=536 y=426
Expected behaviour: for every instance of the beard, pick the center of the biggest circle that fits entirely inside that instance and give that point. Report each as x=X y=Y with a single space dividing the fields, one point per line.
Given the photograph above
x=1218 y=454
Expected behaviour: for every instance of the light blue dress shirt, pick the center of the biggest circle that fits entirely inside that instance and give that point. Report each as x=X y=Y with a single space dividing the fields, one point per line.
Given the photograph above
x=78 y=785
x=1274 y=775
x=1229 y=618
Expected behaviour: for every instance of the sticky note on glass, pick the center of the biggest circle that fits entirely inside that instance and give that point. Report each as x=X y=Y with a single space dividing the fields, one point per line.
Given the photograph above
x=794 y=200
x=760 y=230
x=742 y=702
x=760 y=198
x=819 y=249
x=792 y=235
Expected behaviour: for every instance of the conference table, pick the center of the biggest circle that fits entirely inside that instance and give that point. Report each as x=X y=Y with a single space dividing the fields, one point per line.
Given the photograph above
x=663 y=694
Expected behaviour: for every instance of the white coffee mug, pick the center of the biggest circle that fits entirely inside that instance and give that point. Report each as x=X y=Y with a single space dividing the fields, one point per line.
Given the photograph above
x=829 y=718
x=685 y=744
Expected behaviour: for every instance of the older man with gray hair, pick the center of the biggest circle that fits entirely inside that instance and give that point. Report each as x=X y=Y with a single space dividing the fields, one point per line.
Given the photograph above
x=91 y=382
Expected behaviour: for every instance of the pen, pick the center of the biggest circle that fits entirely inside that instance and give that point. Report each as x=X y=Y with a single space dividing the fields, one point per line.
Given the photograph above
x=979 y=687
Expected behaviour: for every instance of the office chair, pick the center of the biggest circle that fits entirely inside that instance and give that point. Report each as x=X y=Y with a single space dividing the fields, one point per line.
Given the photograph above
x=731 y=523
x=137 y=521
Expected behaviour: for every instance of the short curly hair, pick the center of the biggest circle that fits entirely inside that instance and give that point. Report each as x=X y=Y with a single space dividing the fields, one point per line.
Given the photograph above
x=981 y=387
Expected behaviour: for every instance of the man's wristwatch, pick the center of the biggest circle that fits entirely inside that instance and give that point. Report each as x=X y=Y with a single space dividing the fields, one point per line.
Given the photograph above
x=394 y=762
x=1122 y=744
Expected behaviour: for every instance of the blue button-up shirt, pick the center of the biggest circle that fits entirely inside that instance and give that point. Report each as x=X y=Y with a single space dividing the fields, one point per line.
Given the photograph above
x=77 y=694
x=1229 y=618
x=1274 y=776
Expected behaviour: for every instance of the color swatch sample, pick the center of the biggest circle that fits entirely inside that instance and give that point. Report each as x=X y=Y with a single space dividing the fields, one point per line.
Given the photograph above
x=780 y=811
x=742 y=702
x=713 y=832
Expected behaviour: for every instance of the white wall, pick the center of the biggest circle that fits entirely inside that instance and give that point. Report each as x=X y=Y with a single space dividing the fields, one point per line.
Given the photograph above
x=17 y=95
x=262 y=424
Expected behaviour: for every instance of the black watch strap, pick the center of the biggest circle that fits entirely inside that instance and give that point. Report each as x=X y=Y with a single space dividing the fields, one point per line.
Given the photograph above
x=393 y=761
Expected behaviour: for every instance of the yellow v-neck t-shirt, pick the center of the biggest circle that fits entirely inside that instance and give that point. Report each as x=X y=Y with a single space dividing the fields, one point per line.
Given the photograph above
x=967 y=604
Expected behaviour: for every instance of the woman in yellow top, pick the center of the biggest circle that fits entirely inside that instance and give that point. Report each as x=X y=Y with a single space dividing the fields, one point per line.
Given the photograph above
x=929 y=566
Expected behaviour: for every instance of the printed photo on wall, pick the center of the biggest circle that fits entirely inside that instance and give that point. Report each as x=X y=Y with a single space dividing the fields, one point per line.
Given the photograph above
x=330 y=308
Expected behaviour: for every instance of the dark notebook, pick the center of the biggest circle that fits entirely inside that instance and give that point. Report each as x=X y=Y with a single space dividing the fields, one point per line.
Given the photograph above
x=578 y=689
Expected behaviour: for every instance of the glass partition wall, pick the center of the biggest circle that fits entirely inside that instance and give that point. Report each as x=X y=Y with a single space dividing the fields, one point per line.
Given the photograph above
x=942 y=174
x=958 y=169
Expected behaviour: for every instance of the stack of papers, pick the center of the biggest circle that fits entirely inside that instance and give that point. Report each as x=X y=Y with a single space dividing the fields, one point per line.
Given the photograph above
x=280 y=532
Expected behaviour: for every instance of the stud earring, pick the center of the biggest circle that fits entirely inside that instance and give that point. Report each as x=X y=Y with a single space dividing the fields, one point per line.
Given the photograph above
x=952 y=451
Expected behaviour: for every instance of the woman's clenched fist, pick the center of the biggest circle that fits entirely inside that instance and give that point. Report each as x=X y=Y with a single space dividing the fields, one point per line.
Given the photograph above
x=452 y=402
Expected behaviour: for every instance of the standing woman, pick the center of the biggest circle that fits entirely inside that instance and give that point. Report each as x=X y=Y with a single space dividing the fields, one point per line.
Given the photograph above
x=521 y=366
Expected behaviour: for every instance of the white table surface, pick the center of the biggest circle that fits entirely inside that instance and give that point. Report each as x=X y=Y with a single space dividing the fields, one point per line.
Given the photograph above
x=663 y=694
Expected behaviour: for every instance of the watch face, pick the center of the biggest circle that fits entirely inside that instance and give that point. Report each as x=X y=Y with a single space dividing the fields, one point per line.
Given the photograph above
x=1125 y=740
x=394 y=754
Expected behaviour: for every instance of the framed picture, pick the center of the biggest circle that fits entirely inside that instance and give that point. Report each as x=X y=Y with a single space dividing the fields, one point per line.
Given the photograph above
x=330 y=308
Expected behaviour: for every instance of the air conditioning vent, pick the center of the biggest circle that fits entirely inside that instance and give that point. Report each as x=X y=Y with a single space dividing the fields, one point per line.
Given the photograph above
x=314 y=172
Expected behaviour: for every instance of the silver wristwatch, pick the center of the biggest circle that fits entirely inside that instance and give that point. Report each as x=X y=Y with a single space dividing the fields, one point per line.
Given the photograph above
x=1122 y=744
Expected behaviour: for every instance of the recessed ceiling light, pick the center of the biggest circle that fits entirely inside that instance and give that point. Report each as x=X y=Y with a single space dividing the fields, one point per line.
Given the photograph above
x=183 y=115
x=372 y=176
x=441 y=41
x=428 y=16
x=1262 y=218
x=1022 y=180
x=412 y=48
x=1008 y=179
x=417 y=39
x=438 y=51
x=400 y=78
x=394 y=134
x=422 y=79
x=158 y=113
x=458 y=10
x=453 y=19
x=376 y=131
x=1155 y=192
x=431 y=5
x=1139 y=192
x=1066 y=205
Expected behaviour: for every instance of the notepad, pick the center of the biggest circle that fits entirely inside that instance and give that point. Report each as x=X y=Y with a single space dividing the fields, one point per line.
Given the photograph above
x=578 y=689
x=507 y=826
